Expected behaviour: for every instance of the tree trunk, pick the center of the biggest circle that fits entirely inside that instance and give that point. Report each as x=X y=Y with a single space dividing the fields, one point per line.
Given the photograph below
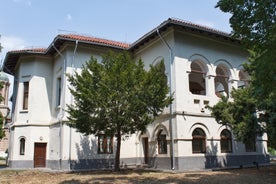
x=118 y=151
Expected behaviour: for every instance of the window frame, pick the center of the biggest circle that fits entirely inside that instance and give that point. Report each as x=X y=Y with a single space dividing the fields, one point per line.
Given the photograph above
x=162 y=143
x=26 y=87
x=226 y=142
x=222 y=76
x=199 y=141
x=22 y=146
x=103 y=141
x=201 y=72
x=58 y=93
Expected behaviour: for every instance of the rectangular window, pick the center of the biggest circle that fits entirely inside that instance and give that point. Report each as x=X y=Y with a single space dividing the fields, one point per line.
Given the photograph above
x=58 y=91
x=199 y=145
x=22 y=146
x=105 y=144
x=162 y=144
x=226 y=145
x=25 y=95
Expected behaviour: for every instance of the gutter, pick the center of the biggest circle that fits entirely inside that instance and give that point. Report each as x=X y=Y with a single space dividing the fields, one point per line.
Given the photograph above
x=70 y=133
x=61 y=113
x=171 y=92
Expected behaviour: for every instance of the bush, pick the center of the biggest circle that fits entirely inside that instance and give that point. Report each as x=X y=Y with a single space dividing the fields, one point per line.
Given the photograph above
x=271 y=151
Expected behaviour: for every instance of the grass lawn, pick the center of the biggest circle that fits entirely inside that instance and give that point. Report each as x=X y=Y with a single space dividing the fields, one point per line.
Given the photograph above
x=265 y=175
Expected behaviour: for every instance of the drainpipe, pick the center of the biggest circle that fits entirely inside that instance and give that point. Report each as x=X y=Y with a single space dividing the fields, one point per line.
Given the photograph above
x=171 y=92
x=61 y=114
x=70 y=133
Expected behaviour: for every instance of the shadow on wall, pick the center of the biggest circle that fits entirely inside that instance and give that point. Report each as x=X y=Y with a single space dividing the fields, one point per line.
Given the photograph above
x=153 y=154
x=89 y=158
x=212 y=160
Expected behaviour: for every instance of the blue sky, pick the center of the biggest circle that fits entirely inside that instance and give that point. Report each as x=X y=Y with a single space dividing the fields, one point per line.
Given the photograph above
x=35 y=23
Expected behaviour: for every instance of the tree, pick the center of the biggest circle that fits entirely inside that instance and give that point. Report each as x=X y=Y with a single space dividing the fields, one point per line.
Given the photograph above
x=240 y=115
x=254 y=23
x=117 y=97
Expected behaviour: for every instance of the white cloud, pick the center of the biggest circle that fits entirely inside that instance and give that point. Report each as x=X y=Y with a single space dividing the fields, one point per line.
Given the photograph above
x=11 y=43
x=68 y=17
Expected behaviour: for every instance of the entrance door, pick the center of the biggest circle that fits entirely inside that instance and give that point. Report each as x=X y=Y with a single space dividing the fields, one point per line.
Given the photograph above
x=146 y=149
x=40 y=154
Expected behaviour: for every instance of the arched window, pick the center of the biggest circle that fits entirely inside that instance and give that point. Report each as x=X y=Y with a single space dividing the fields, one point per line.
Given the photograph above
x=243 y=79
x=197 y=79
x=221 y=81
x=199 y=141
x=226 y=141
x=22 y=146
x=162 y=143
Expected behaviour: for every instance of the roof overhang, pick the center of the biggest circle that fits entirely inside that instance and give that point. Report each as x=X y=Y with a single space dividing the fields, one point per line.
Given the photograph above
x=188 y=27
x=12 y=57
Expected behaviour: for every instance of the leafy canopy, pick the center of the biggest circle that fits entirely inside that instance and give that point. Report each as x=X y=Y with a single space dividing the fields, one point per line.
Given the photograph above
x=117 y=92
x=117 y=96
x=239 y=114
x=254 y=22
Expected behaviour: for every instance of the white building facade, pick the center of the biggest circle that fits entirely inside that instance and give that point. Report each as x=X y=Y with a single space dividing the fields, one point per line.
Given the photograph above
x=201 y=64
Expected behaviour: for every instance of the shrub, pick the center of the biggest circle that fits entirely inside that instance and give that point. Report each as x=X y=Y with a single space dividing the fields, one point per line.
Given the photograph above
x=272 y=151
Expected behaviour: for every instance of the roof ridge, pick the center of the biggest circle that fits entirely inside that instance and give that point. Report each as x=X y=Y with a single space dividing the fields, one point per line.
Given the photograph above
x=32 y=50
x=206 y=28
x=95 y=39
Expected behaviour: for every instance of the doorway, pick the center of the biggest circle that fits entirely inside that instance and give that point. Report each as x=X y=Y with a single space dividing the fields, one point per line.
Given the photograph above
x=40 y=154
x=145 y=142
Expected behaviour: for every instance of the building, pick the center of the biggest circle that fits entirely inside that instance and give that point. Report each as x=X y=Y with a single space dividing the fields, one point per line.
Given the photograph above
x=4 y=109
x=201 y=64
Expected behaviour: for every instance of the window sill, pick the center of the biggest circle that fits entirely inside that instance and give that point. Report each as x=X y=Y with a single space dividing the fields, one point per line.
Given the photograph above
x=23 y=111
x=162 y=155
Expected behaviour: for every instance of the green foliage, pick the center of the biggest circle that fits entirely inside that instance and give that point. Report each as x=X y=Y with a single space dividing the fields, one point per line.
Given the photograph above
x=2 y=133
x=272 y=151
x=117 y=96
x=254 y=22
x=239 y=114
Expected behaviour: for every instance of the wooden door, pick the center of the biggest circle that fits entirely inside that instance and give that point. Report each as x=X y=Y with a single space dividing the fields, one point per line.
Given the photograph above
x=40 y=154
x=146 y=149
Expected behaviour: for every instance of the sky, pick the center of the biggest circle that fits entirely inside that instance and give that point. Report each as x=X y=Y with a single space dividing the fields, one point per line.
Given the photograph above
x=35 y=23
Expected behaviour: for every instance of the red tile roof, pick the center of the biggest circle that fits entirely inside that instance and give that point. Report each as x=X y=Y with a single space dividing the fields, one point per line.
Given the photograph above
x=196 y=26
x=32 y=50
x=95 y=40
